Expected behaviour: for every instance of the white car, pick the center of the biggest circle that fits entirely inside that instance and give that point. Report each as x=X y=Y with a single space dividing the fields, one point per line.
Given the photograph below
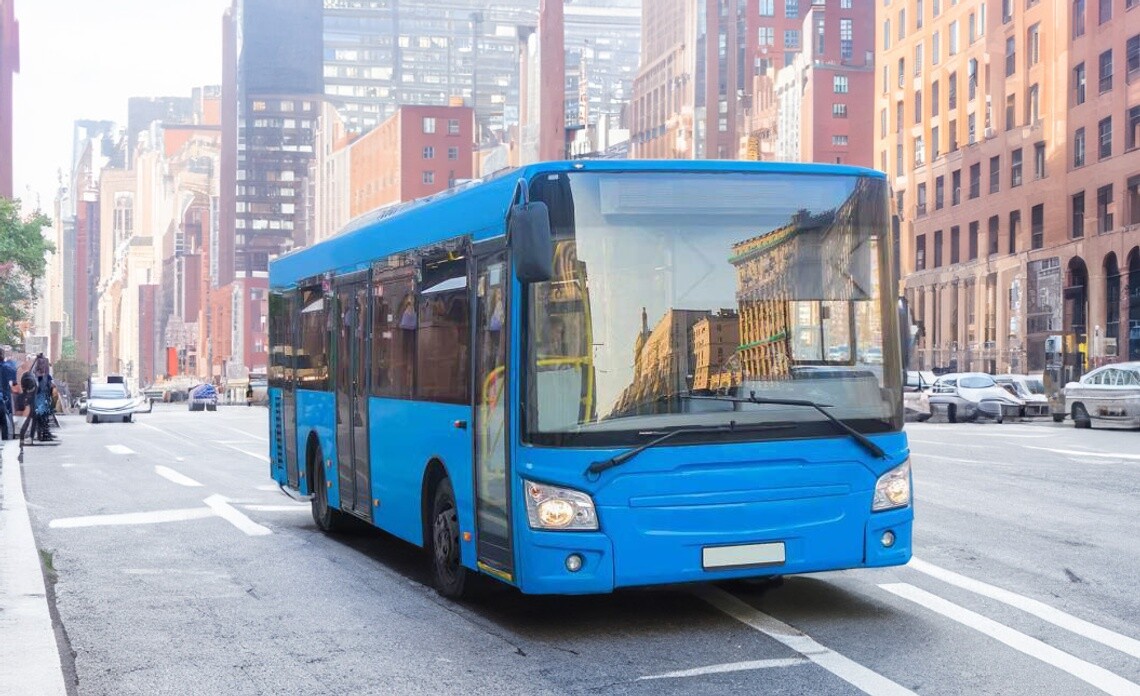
x=111 y=402
x=1029 y=389
x=916 y=396
x=1108 y=395
x=970 y=395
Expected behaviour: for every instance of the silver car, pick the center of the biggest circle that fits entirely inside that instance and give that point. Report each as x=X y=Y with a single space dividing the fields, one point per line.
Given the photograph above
x=916 y=396
x=1108 y=395
x=110 y=402
x=1029 y=389
x=966 y=396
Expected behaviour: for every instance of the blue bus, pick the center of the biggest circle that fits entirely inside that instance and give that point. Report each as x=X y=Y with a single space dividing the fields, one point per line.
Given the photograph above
x=588 y=375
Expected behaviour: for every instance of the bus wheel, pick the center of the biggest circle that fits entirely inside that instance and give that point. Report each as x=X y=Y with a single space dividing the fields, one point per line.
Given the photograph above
x=450 y=576
x=327 y=519
x=1081 y=417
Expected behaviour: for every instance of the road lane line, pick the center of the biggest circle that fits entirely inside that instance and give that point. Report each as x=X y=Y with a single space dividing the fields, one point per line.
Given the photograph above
x=848 y=670
x=729 y=667
x=230 y=514
x=152 y=517
x=1104 y=636
x=247 y=434
x=255 y=455
x=120 y=449
x=279 y=508
x=29 y=656
x=1087 y=672
x=1078 y=453
x=172 y=475
x=168 y=433
x=923 y=455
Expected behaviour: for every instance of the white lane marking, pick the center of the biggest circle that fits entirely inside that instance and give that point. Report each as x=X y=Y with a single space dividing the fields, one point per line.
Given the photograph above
x=120 y=449
x=168 y=433
x=255 y=455
x=925 y=442
x=729 y=667
x=230 y=514
x=1079 y=453
x=152 y=517
x=1104 y=636
x=923 y=455
x=246 y=433
x=269 y=487
x=29 y=656
x=1087 y=672
x=172 y=475
x=278 y=508
x=846 y=669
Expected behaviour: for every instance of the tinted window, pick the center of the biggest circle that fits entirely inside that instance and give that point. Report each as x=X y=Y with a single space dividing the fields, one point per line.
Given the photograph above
x=443 y=332
x=312 y=359
x=394 y=329
x=977 y=382
x=109 y=391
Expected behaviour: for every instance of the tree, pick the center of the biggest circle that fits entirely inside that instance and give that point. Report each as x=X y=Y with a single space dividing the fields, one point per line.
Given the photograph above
x=23 y=261
x=72 y=372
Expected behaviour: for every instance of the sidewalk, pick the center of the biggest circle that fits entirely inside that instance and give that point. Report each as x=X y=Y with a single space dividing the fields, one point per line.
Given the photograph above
x=29 y=655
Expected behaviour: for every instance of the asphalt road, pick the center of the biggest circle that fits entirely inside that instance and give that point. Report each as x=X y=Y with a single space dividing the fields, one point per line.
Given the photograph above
x=180 y=569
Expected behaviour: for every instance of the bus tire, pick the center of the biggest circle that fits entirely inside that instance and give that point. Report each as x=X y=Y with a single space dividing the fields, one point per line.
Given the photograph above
x=448 y=573
x=327 y=519
x=1081 y=417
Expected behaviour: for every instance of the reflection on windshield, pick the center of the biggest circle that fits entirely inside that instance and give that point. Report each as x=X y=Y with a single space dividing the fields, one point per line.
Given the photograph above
x=673 y=288
x=976 y=382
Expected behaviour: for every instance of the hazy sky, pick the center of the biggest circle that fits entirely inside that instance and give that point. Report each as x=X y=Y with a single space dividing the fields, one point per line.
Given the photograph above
x=84 y=58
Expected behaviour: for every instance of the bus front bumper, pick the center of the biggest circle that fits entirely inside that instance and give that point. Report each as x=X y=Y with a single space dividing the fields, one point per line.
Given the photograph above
x=625 y=553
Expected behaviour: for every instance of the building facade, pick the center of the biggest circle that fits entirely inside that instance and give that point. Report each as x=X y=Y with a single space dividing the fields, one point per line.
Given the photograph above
x=1009 y=132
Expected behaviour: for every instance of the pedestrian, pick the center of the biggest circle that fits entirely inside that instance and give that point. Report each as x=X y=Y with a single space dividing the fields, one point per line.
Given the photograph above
x=28 y=388
x=7 y=379
x=249 y=395
x=41 y=406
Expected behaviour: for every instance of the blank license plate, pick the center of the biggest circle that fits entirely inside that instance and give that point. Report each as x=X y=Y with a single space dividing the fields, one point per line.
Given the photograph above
x=743 y=555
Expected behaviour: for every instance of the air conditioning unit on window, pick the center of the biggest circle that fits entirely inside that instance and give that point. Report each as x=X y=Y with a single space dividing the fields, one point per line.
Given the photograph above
x=989 y=133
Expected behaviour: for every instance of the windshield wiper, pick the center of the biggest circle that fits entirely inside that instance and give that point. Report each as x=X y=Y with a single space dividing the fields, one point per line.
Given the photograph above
x=859 y=437
x=598 y=467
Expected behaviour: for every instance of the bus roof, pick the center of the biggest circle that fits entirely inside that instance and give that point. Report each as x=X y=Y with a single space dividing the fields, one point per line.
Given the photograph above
x=479 y=209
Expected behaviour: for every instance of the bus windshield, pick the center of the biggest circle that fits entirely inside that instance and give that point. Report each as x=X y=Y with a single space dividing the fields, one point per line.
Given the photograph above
x=675 y=297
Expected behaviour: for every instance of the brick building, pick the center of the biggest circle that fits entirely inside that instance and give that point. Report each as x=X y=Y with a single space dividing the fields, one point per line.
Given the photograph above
x=1009 y=132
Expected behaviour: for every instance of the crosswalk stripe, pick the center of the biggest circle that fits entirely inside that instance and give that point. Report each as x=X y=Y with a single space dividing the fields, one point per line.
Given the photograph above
x=1099 y=677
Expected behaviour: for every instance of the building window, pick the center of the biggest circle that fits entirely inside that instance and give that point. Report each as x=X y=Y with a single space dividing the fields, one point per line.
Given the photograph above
x=1006 y=11
x=994 y=231
x=838 y=140
x=1132 y=56
x=973 y=27
x=919 y=151
x=1104 y=208
x=955 y=244
x=1039 y=160
x=1079 y=83
x=846 y=39
x=956 y=187
x=767 y=36
x=939 y=191
x=935 y=144
x=1105 y=12
x=1078 y=229
x=886 y=34
x=1104 y=129
x=937 y=248
x=452 y=153
x=840 y=111
x=428 y=177
x=918 y=59
x=935 y=48
x=1037 y=226
x=882 y=123
x=917 y=106
x=1133 y=194
x=972 y=128
x=1033 y=105
x=952 y=92
x=952 y=38
x=1106 y=71
x=1079 y=148
x=1015 y=168
x=1010 y=112
x=995 y=173
x=1010 y=56
x=1078 y=18
x=792 y=39
x=767 y=8
x=1014 y=230
x=975 y=180
x=453 y=126
x=934 y=98
x=902 y=73
x=839 y=84
x=429 y=124
x=1132 y=129
x=791 y=9
x=974 y=229
x=429 y=152
x=1033 y=45
x=902 y=24
x=843 y=4
x=972 y=79
x=920 y=252
x=953 y=135
x=921 y=205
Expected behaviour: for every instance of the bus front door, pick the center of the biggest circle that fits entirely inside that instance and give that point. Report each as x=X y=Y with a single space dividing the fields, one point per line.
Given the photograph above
x=352 y=356
x=491 y=432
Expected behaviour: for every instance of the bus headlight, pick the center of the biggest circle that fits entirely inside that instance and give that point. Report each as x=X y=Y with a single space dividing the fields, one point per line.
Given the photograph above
x=551 y=507
x=892 y=490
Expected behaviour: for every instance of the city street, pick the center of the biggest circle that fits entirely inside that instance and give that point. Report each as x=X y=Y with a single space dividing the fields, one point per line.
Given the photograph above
x=181 y=569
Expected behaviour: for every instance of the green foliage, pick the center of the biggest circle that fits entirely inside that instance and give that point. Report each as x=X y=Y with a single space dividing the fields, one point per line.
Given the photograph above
x=23 y=261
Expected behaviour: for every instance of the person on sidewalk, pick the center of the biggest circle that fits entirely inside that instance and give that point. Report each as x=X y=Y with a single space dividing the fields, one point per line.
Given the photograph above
x=7 y=379
x=41 y=370
x=28 y=388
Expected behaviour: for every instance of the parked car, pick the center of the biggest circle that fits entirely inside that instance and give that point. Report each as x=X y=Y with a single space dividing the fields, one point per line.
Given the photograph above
x=916 y=396
x=970 y=395
x=1029 y=389
x=111 y=402
x=203 y=397
x=1108 y=395
x=872 y=356
x=81 y=403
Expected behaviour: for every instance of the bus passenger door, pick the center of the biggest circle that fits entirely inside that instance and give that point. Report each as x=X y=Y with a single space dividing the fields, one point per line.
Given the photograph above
x=352 y=356
x=491 y=440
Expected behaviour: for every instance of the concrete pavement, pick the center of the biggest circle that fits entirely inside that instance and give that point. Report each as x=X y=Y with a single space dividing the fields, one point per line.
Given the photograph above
x=29 y=655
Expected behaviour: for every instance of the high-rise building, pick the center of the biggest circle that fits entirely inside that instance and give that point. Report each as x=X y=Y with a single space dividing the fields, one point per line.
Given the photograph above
x=271 y=92
x=143 y=111
x=1009 y=132
x=379 y=55
x=603 y=47
x=9 y=65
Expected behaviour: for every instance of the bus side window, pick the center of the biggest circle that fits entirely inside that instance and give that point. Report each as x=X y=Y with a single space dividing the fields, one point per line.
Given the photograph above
x=394 y=326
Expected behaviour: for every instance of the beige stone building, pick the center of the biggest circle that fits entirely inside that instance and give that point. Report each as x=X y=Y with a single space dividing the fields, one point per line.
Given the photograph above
x=1010 y=130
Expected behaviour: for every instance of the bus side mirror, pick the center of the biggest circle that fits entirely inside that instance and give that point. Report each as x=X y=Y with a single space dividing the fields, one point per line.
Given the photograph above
x=906 y=332
x=531 y=242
